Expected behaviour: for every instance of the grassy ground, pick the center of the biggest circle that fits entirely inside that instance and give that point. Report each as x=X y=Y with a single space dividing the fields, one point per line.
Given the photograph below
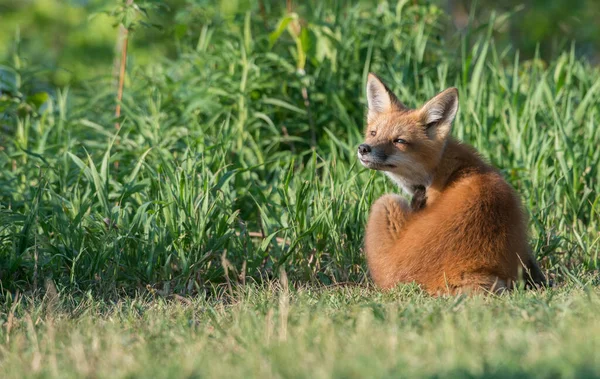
x=235 y=161
x=310 y=332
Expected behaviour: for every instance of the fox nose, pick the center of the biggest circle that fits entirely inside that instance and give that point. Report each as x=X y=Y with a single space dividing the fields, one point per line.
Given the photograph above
x=364 y=149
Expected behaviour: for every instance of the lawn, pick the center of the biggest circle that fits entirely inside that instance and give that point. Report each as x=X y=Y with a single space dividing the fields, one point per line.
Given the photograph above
x=162 y=246
x=314 y=332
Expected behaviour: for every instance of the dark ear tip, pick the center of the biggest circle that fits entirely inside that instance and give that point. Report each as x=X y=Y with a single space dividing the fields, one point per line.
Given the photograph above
x=453 y=90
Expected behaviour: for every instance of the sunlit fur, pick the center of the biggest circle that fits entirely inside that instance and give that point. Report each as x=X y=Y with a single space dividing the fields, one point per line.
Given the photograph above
x=471 y=234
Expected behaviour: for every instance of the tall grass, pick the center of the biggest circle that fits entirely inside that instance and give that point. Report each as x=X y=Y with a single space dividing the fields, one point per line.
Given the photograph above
x=219 y=179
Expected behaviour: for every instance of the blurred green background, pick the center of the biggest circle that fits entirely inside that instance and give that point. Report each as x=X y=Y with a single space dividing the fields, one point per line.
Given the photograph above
x=74 y=40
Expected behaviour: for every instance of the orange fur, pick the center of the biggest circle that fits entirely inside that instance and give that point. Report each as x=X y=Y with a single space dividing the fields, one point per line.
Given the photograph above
x=468 y=233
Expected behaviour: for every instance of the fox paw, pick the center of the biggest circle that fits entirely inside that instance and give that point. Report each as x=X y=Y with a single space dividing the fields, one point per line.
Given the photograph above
x=419 y=198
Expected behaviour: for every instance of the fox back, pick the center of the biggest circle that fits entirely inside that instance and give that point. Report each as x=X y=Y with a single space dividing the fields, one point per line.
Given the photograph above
x=465 y=230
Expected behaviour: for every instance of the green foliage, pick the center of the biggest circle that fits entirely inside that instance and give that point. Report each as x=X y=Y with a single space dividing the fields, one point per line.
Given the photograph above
x=216 y=148
x=70 y=41
x=539 y=26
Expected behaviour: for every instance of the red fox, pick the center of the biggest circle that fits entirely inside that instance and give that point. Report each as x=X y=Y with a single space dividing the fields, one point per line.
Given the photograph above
x=465 y=230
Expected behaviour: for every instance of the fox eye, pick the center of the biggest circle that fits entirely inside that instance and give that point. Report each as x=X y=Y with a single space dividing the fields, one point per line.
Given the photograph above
x=373 y=133
x=400 y=141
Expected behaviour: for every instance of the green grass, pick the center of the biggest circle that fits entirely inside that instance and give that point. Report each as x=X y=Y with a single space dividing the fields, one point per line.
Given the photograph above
x=221 y=175
x=218 y=146
x=275 y=332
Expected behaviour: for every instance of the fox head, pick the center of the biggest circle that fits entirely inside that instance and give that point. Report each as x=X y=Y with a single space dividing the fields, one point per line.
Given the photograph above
x=407 y=144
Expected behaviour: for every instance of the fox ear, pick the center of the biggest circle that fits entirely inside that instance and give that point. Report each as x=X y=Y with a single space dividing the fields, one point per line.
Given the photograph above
x=380 y=98
x=439 y=112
